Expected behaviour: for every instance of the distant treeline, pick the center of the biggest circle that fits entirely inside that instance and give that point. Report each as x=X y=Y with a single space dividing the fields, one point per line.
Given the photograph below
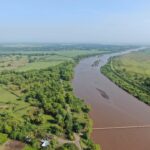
x=5 y=48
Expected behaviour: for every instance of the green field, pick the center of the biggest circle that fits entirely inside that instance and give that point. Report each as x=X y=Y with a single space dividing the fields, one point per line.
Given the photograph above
x=134 y=63
x=132 y=73
x=38 y=65
x=6 y=96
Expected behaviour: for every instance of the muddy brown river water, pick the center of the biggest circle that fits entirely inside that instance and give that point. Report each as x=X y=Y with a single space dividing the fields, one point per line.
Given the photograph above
x=112 y=107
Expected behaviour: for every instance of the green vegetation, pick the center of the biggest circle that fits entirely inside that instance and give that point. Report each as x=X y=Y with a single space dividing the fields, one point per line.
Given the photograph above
x=38 y=65
x=6 y=96
x=25 y=57
x=132 y=73
x=52 y=109
x=25 y=62
x=36 y=97
x=68 y=147
x=3 y=138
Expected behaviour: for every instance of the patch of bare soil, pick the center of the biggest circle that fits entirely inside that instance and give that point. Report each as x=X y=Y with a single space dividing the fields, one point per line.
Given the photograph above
x=14 y=145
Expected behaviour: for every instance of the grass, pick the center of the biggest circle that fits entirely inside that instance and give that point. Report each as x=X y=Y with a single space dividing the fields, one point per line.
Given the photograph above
x=38 y=65
x=134 y=63
x=6 y=96
x=11 y=62
x=9 y=102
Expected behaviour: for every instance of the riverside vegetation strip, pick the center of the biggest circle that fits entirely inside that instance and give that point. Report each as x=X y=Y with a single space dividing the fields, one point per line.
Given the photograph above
x=132 y=73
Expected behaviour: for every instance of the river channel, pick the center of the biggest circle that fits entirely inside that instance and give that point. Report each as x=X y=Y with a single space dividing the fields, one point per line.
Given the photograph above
x=111 y=107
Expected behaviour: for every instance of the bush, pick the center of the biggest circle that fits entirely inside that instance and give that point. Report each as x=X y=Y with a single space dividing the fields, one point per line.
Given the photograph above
x=3 y=138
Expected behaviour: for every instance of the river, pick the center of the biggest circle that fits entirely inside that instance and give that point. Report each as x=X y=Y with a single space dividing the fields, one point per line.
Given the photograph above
x=111 y=107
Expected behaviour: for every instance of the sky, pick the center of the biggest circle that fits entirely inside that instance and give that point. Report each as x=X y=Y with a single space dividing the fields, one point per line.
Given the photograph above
x=79 y=21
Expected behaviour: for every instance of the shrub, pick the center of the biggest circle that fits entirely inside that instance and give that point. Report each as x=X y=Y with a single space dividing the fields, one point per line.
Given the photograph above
x=3 y=138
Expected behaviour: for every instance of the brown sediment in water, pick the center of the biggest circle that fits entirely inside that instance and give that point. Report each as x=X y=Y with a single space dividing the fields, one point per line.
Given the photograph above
x=122 y=109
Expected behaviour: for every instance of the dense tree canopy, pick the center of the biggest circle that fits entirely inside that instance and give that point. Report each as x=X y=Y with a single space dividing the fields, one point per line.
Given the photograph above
x=55 y=110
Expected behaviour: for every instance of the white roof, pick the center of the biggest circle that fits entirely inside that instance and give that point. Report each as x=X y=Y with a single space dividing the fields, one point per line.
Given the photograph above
x=45 y=143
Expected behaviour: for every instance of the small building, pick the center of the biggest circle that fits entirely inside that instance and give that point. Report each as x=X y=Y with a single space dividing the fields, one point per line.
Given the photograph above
x=45 y=143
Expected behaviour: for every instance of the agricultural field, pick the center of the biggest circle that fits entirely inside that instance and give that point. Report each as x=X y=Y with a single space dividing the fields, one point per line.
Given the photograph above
x=132 y=73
